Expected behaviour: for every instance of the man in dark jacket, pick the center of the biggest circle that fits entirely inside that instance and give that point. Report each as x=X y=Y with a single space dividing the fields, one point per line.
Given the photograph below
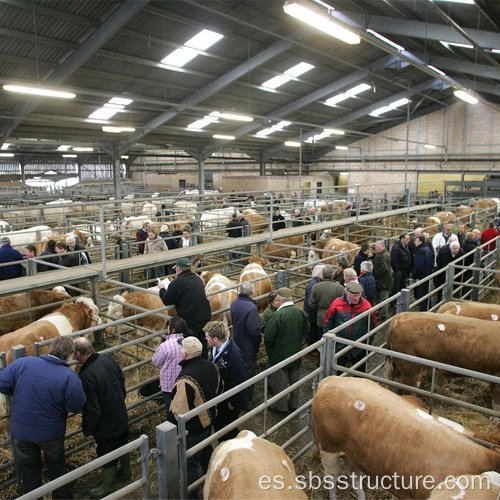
x=234 y=228
x=50 y=255
x=283 y=338
x=341 y=311
x=74 y=246
x=197 y=383
x=141 y=236
x=187 y=293
x=311 y=312
x=246 y=330
x=278 y=220
x=226 y=356
x=382 y=272
x=423 y=263
x=9 y=254
x=401 y=262
x=364 y=254
x=66 y=259
x=45 y=390
x=367 y=281
x=445 y=256
x=105 y=413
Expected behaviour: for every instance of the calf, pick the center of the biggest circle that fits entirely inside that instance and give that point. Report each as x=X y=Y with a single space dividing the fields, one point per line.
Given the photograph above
x=23 y=302
x=478 y=310
x=248 y=467
x=460 y=341
x=68 y=318
x=254 y=271
x=216 y=288
x=385 y=437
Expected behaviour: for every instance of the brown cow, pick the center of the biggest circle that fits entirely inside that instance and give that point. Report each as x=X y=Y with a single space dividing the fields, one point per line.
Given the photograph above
x=258 y=222
x=275 y=253
x=68 y=318
x=478 y=310
x=24 y=302
x=333 y=247
x=250 y=467
x=216 y=288
x=385 y=437
x=460 y=341
x=254 y=271
x=468 y=487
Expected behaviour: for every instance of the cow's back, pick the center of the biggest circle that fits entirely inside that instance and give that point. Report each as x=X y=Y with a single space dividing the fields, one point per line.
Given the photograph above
x=146 y=301
x=478 y=310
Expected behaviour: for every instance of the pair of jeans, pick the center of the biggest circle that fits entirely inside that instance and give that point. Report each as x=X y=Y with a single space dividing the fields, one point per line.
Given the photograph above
x=28 y=456
x=200 y=459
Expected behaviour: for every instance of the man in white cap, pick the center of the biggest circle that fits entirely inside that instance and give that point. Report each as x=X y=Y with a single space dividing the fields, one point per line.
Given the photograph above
x=197 y=383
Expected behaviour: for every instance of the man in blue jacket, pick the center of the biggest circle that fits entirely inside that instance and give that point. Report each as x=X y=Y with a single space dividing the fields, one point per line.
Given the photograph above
x=45 y=390
x=246 y=330
x=9 y=254
x=226 y=356
x=423 y=263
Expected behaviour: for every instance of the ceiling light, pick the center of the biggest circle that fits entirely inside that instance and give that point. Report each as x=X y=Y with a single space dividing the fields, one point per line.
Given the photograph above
x=292 y=144
x=456 y=44
x=327 y=132
x=461 y=94
x=124 y=157
x=70 y=156
x=103 y=113
x=201 y=41
x=275 y=128
x=347 y=94
x=470 y=2
x=83 y=149
x=276 y=82
x=390 y=107
x=233 y=116
x=119 y=107
x=224 y=137
x=289 y=74
x=117 y=130
x=320 y=19
x=341 y=148
x=5 y=146
x=334 y=131
x=386 y=40
x=438 y=71
x=495 y=51
x=120 y=100
x=203 y=122
x=6 y=155
x=429 y=146
x=64 y=147
x=299 y=69
x=22 y=89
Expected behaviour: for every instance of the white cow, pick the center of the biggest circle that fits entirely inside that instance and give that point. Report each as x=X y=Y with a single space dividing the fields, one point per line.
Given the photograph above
x=134 y=223
x=217 y=217
x=149 y=209
x=4 y=226
x=30 y=235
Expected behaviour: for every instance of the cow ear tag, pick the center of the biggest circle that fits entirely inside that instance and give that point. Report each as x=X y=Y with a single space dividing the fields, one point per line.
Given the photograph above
x=441 y=327
x=359 y=405
x=284 y=463
x=494 y=317
x=225 y=473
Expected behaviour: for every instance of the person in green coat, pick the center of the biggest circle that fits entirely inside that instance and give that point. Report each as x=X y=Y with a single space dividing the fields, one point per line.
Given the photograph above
x=384 y=276
x=266 y=316
x=283 y=338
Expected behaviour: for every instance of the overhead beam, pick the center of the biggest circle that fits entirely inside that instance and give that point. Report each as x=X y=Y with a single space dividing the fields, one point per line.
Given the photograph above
x=211 y=88
x=355 y=115
x=77 y=58
x=350 y=79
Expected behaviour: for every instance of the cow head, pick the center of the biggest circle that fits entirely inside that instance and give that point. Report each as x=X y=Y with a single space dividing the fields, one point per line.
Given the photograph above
x=257 y=259
x=206 y=275
x=115 y=311
x=62 y=291
x=94 y=310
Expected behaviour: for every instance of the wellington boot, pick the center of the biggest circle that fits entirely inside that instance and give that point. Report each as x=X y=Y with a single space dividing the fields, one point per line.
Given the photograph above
x=108 y=485
x=123 y=469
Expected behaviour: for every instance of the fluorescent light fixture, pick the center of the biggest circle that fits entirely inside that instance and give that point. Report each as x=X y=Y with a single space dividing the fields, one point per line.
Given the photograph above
x=103 y=114
x=390 y=107
x=327 y=132
x=344 y=173
x=64 y=147
x=117 y=130
x=292 y=144
x=275 y=128
x=83 y=149
x=319 y=18
x=341 y=148
x=119 y=107
x=470 y=2
x=203 y=122
x=232 y=116
x=224 y=137
x=70 y=156
x=429 y=146
x=120 y=100
x=456 y=44
x=100 y=122
x=124 y=157
x=289 y=74
x=347 y=94
x=386 y=40
x=461 y=94
x=22 y=89
x=5 y=146
x=6 y=155
x=201 y=41
x=495 y=51
x=437 y=70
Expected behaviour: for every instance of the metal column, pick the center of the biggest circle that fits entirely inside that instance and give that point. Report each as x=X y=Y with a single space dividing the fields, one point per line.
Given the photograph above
x=201 y=173
x=115 y=160
x=262 y=164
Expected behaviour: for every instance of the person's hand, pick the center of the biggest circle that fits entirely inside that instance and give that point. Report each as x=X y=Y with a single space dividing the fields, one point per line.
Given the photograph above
x=161 y=285
x=230 y=406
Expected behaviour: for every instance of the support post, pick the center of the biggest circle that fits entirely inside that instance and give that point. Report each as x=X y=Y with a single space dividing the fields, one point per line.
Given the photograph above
x=262 y=164
x=201 y=173
x=115 y=160
x=167 y=461
x=448 y=289
x=403 y=302
x=79 y=170
x=476 y=274
x=23 y=172
x=282 y=279
x=18 y=351
x=95 y=297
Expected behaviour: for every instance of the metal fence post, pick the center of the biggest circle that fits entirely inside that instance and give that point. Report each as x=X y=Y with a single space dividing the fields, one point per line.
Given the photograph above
x=326 y=357
x=357 y=202
x=476 y=274
x=403 y=302
x=103 y=241
x=95 y=297
x=146 y=493
x=473 y=221
x=18 y=351
x=167 y=461
x=283 y=279
x=448 y=289
x=271 y=217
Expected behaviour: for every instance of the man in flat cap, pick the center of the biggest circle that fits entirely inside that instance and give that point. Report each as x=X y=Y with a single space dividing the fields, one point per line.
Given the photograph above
x=187 y=293
x=343 y=309
x=283 y=338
